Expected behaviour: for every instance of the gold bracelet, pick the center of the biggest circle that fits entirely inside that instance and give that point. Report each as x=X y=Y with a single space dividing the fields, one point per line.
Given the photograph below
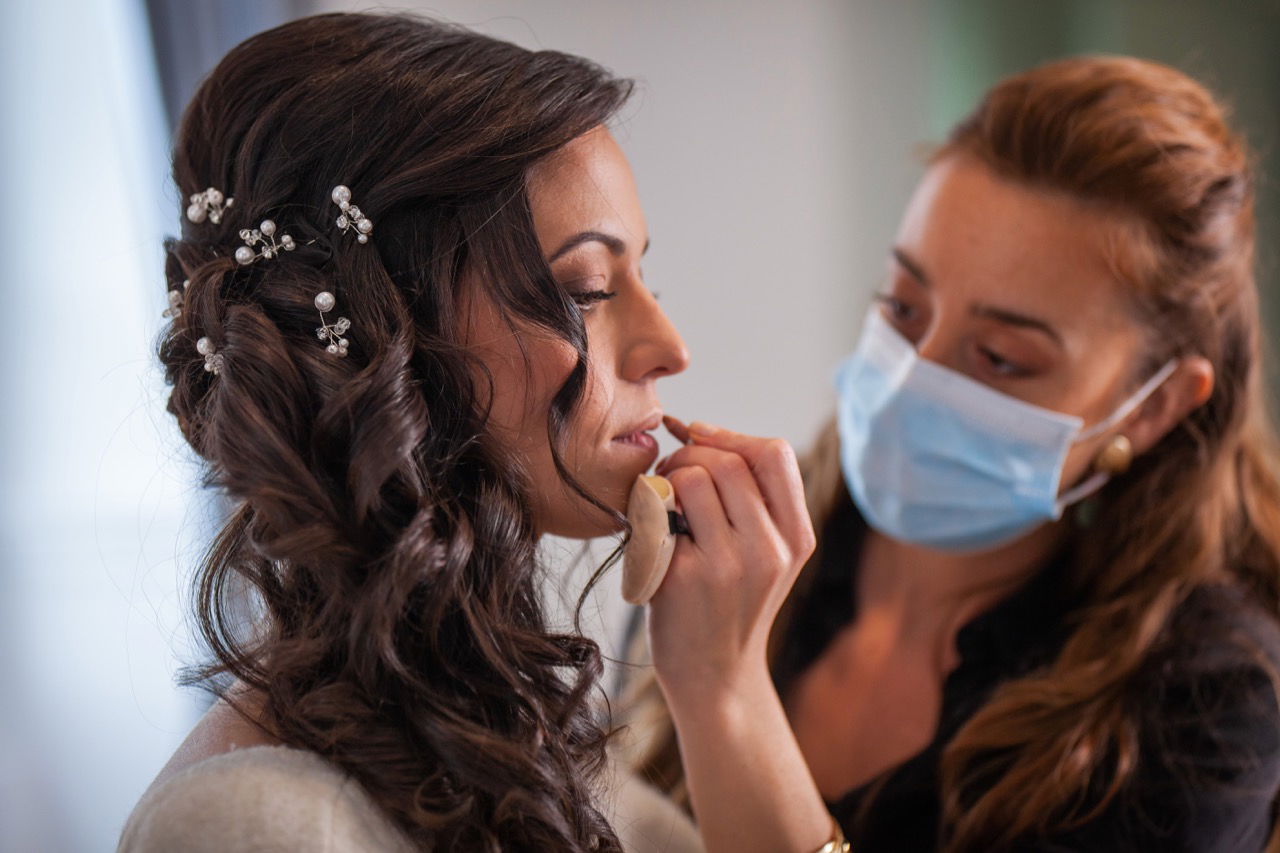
x=837 y=844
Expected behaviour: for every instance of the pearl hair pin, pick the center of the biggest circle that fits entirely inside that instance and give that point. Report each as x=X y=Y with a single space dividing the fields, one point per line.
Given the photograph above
x=213 y=360
x=351 y=216
x=261 y=242
x=333 y=333
x=209 y=205
x=174 y=311
x=263 y=235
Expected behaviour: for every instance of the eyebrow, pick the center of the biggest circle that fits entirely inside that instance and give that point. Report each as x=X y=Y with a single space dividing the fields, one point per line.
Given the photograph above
x=615 y=245
x=1021 y=320
x=910 y=266
x=1001 y=315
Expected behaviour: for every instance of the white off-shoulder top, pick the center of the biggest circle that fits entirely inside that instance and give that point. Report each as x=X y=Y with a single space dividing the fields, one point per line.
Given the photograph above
x=272 y=799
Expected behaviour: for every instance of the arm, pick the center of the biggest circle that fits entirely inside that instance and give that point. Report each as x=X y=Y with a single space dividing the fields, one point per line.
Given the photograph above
x=750 y=786
x=709 y=622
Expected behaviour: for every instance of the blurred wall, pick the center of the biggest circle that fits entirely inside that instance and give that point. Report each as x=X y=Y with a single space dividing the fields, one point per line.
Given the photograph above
x=95 y=491
x=101 y=516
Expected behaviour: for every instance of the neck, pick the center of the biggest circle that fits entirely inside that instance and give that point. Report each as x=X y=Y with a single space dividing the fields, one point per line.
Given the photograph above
x=932 y=591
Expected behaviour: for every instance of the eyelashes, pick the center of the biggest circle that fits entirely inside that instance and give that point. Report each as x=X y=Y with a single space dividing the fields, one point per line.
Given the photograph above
x=1001 y=365
x=587 y=299
x=899 y=309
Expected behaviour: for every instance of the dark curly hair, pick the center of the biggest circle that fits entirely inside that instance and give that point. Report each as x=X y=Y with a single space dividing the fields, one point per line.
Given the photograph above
x=384 y=540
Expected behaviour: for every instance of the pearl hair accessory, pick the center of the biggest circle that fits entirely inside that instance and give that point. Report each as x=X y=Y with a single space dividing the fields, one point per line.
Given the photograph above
x=208 y=205
x=174 y=311
x=325 y=301
x=351 y=216
x=264 y=234
x=213 y=360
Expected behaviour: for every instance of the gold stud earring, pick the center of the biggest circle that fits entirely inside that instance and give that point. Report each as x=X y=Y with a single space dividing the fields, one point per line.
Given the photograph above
x=1116 y=457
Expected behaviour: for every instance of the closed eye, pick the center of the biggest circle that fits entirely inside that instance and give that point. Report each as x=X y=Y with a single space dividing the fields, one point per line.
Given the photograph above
x=1000 y=365
x=898 y=310
x=587 y=299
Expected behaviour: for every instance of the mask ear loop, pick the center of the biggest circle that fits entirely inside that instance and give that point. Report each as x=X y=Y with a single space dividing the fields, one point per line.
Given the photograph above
x=1100 y=478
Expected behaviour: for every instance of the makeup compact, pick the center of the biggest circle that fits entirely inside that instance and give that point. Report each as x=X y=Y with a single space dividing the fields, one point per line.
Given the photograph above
x=651 y=509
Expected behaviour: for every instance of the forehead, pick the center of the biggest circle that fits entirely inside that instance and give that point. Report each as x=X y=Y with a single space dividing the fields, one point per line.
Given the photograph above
x=586 y=185
x=1021 y=246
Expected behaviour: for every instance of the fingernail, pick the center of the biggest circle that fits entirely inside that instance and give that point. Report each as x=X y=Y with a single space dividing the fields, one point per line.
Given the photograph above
x=662 y=464
x=676 y=427
x=698 y=429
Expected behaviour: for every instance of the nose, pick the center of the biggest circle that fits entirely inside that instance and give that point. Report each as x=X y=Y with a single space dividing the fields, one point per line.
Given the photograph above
x=653 y=346
x=940 y=344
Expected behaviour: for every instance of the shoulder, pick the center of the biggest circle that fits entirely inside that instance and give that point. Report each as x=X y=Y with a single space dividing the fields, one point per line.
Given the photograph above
x=1209 y=761
x=1219 y=660
x=1216 y=670
x=1219 y=626
x=1207 y=769
x=264 y=798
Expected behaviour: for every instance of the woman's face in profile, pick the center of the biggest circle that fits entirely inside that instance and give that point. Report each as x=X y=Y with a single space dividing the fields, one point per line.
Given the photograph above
x=592 y=232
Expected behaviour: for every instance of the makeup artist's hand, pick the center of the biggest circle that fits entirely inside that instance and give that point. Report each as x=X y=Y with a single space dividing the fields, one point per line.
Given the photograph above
x=708 y=629
x=744 y=503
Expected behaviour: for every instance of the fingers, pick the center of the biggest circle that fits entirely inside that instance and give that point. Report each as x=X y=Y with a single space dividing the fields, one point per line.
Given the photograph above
x=773 y=463
x=700 y=502
x=736 y=487
x=677 y=428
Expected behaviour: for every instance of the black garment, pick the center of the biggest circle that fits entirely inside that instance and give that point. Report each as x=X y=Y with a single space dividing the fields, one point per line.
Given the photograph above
x=1209 y=760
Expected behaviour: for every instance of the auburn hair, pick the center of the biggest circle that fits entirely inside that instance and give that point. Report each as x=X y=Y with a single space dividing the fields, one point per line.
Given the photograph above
x=381 y=537
x=1147 y=143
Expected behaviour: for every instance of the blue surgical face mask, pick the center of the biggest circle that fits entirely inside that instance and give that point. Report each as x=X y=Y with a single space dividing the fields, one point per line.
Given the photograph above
x=937 y=459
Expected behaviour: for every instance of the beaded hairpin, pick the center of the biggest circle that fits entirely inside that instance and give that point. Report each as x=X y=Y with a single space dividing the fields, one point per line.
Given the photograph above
x=260 y=244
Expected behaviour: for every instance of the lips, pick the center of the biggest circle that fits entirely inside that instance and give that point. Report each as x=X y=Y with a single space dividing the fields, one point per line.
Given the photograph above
x=638 y=432
x=639 y=439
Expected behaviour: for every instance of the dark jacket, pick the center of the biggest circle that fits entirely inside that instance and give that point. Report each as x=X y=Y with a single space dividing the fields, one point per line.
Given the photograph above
x=1209 y=758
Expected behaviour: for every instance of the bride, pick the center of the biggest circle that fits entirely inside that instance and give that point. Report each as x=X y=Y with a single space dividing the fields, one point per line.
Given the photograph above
x=409 y=337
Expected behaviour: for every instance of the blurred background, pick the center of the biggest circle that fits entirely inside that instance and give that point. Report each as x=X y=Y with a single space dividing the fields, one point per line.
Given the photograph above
x=775 y=146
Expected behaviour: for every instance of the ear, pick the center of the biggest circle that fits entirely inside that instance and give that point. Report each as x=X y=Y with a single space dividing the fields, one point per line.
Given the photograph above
x=1186 y=390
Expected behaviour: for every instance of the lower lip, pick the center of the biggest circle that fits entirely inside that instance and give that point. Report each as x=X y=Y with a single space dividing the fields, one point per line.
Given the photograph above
x=640 y=441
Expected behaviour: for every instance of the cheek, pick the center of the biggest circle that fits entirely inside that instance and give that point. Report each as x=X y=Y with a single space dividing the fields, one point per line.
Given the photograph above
x=586 y=451
x=525 y=375
x=1098 y=392
x=585 y=448
x=584 y=434
x=1079 y=464
x=591 y=413
x=530 y=390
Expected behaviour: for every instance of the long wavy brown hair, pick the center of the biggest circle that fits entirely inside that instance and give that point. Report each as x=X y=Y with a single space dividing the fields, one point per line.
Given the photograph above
x=382 y=539
x=1141 y=140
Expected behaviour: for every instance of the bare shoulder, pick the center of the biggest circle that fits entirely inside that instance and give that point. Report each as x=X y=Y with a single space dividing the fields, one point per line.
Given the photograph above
x=222 y=729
